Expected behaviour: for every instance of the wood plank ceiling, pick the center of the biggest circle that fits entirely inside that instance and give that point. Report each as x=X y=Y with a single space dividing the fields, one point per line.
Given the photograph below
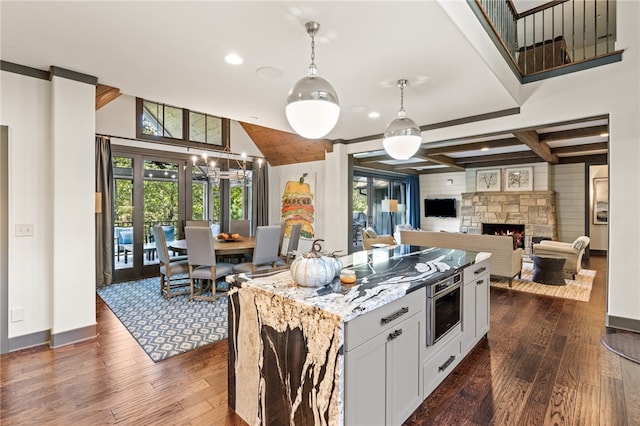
x=281 y=148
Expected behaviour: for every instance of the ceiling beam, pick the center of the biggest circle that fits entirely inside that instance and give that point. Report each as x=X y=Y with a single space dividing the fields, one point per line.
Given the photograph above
x=445 y=161
x=473 y=146
x=105 y=94
x=583 y=132
x=581 y=148
x=497 y=157
x=531 y=139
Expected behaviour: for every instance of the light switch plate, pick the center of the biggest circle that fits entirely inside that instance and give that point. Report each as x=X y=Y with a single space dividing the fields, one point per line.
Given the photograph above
x=24 y=230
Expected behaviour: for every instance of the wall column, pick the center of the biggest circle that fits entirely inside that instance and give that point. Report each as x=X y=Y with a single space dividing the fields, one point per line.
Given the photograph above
x=72 y=210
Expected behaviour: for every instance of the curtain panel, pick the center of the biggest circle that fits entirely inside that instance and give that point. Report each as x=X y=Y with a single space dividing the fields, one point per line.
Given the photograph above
x=260 y=194
x=104 y=213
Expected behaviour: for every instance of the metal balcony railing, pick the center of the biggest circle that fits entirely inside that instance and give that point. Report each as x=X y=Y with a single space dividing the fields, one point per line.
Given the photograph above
x=554 y=35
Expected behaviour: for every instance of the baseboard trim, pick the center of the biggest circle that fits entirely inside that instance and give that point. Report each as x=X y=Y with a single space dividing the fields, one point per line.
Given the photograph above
x=73 y=336
x=622 y=323
x=29 y=340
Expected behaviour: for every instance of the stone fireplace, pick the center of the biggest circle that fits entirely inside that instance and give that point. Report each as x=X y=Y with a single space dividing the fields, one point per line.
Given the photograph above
x=535 y=210
x=516 y=230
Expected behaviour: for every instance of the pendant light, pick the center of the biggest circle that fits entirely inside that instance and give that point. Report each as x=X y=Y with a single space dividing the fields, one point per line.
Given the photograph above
x=402 y=137
x=312 y=105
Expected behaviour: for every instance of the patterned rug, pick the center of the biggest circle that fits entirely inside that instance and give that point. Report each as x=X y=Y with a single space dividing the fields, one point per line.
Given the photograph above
x=165 y=327
x=578 y=289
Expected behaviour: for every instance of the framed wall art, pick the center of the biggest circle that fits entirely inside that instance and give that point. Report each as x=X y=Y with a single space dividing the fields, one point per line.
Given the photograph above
x=519 y=179
x=488 y=180
x=600 y=201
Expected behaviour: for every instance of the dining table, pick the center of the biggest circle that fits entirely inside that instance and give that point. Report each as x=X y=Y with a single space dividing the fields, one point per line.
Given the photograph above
x=243 y=245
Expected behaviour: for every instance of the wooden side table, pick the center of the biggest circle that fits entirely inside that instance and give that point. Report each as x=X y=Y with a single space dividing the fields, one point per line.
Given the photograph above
x=548 y=269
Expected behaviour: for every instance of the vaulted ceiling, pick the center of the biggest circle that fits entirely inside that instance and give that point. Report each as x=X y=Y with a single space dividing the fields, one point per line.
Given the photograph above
x=173 y=52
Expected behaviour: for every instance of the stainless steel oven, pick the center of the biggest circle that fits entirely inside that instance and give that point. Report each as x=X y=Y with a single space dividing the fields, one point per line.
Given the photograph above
x=444 y=307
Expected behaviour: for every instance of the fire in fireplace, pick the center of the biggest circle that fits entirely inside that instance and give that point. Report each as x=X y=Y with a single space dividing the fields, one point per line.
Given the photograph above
x=513 y=229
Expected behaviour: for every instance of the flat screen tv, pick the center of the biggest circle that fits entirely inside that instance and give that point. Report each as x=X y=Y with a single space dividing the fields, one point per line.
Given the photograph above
x=440 y=207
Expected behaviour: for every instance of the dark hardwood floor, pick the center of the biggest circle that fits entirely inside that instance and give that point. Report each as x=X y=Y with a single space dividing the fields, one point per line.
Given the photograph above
x=542 y=363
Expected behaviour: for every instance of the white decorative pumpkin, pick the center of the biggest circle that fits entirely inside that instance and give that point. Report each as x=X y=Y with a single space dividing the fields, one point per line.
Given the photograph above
x=312 y=269
x=335 y=260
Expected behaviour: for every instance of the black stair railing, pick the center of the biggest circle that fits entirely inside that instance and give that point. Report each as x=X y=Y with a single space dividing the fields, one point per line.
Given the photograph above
x=553 y=35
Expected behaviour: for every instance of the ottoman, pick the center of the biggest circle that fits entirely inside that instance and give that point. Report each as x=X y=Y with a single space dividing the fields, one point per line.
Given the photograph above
x=548 y=269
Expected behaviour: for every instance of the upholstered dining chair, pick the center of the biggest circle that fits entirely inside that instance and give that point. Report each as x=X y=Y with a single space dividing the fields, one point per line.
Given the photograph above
x=265 y=252
x=169 y=267
x=202 y=263
x=294 y=239
x=239 y=227
x=196 y=223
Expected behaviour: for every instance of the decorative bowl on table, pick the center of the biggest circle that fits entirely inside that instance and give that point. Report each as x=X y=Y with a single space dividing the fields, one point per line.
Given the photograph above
x=227 y=237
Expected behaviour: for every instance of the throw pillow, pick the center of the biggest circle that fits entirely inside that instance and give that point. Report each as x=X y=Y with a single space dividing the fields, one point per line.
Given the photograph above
x=370 y=232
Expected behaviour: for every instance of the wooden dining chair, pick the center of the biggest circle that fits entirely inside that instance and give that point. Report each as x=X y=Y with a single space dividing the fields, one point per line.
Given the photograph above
x=265 y=253
x=170 y=267
x=202 y=263
x=294 y=239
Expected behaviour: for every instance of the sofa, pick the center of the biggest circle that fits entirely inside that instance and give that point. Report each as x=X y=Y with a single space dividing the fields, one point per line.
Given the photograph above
x=573 y=252
x=371 y=237
x=506 y=262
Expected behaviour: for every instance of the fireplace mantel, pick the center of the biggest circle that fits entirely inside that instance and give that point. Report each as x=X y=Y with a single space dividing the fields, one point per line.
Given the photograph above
x=536 y=210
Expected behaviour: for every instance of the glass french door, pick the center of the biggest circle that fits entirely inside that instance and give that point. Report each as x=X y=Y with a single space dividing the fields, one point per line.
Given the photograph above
x=148 y=191
x=369 y=191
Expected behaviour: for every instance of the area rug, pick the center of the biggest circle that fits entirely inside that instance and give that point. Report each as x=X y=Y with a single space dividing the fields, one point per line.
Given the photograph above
x=165 y=327
x=578 y=289
x=626 y=345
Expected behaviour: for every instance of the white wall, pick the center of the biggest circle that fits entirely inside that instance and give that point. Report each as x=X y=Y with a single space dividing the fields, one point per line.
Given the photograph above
x=51 y=275
x=26 y=110
x=437 y=186
x=73 y=143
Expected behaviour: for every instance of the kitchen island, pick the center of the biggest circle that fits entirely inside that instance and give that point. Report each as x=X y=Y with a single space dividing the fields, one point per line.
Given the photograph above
x=339 y=354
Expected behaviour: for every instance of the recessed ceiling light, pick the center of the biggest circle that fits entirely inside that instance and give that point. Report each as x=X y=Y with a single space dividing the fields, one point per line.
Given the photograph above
x=269 y=73
x=604 y=134
x=374 y=114
x=484 y=149
x=359 y=108
x=233 y=59
x=253 y=118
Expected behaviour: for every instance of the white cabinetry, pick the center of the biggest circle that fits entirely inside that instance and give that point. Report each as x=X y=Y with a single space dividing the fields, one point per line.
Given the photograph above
x=475 y=304
x=383 y=349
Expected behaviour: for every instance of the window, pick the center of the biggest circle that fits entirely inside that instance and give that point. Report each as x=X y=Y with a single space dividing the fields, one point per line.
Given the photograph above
x=178 y=126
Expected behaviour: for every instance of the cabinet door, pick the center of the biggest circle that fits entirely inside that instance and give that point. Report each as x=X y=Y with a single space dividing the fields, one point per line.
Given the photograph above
x=404 y=389
x=365 y=383
x=482 y=306
x=475 y=311
x=468 y=317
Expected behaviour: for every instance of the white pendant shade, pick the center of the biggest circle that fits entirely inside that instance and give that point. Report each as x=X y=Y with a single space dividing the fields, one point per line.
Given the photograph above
x=402 y=137
x=312 y=107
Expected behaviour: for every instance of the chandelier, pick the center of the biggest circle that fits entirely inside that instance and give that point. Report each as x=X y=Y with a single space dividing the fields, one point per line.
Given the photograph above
x=211 y=167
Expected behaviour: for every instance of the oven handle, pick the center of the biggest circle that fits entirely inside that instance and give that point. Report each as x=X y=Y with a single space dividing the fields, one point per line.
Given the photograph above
x=446 y=291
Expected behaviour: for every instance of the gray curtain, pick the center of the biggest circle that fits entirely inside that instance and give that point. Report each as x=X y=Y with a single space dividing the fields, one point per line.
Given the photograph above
x=260 y=194
x=104 y=233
